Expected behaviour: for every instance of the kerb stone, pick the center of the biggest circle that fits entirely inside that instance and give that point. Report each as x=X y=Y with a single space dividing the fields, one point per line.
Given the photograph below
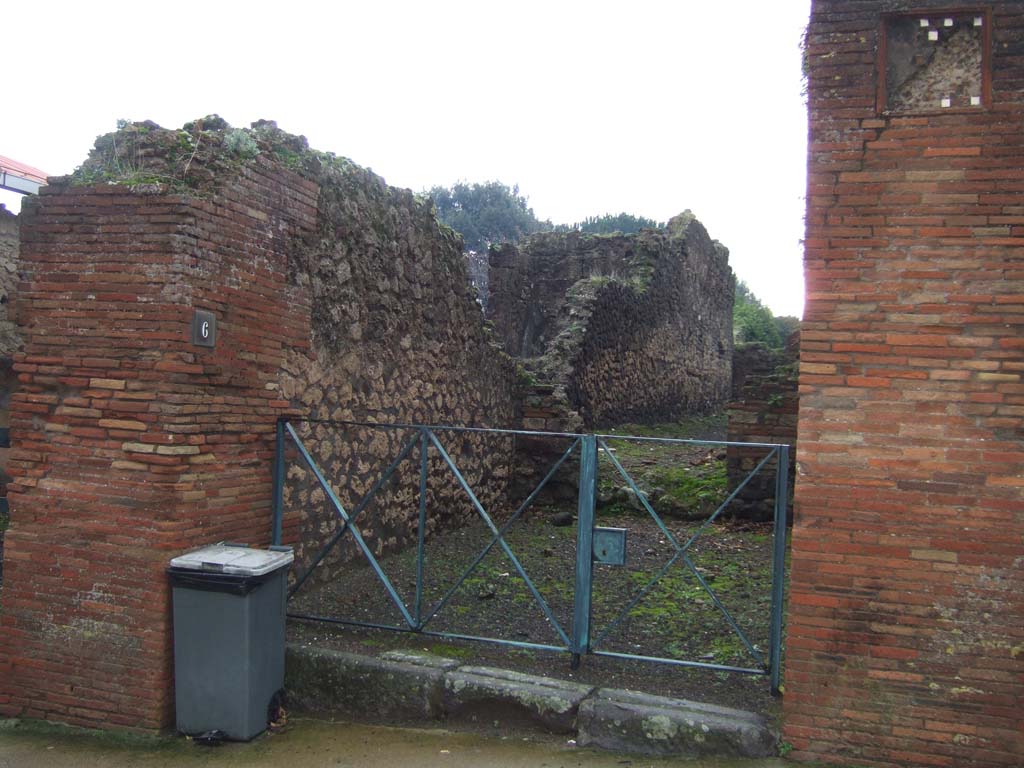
x=486 y=693
x=404 y=686
x=638 y=723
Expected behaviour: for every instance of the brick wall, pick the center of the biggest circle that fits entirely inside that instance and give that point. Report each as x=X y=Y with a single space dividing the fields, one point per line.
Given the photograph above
x=763 y=409
x=544 y=409
x=905 y=639
x=132 y=445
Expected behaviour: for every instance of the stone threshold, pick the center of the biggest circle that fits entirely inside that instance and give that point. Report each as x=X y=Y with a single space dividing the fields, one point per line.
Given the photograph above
x=405 y=686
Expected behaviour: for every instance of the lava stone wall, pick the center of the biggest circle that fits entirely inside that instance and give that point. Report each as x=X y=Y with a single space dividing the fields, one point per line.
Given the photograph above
x=10 y=342
x=132 y=445
x=398 y=338
x=630 y=327
x=529 y=282
x=905 y=640
x=9 y=236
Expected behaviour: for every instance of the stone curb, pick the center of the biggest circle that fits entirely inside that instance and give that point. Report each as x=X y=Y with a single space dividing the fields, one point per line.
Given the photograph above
x=321 y=680
x=484 y=692
x=401 y=685
x=626 y=721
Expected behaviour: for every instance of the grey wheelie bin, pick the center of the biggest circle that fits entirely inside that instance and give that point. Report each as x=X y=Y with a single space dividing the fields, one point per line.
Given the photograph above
x=228 y=638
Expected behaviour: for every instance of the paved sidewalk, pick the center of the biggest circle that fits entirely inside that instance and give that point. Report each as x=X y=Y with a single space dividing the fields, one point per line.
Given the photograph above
x=309 y=743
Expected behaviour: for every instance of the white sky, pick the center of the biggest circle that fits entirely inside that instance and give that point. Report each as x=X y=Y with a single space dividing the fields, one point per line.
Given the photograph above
x=590 y=107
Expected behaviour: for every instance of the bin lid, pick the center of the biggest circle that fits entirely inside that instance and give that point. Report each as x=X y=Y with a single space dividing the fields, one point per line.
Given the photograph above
x=233 y=559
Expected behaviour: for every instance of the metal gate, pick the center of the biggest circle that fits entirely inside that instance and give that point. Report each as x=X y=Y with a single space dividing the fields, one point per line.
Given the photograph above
x=593 y=543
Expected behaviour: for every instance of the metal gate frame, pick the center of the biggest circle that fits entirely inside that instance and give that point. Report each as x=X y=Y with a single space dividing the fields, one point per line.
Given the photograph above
x=577 y=641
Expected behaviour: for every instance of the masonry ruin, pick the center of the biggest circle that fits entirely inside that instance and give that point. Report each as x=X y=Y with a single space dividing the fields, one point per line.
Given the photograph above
x=618 y=328
x=611 y=329
x=332 y=299
x=334 y=296
x=131 y=444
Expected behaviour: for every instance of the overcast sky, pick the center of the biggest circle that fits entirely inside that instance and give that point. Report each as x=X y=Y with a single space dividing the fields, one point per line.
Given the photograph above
x=590 y=107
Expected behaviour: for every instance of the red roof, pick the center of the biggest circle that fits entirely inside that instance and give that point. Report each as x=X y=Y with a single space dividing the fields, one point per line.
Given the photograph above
x=15 y=168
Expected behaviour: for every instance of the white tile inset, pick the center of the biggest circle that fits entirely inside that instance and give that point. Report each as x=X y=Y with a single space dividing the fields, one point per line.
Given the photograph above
x=947 y=102
x=947 y=22
x=978 y=21
x=924 y=22
x=975 y=101
x=933 y=34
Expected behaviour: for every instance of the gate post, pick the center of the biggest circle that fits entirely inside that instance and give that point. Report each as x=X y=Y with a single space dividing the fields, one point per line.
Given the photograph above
x=278 y=483
x=584 y=548
x=778 y=566
x=421 y=527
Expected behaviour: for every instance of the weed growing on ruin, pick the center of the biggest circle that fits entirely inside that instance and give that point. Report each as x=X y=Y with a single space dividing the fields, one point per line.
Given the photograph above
x=142 y=157
x=196 y=158
x=524 y=376
x=240 y=142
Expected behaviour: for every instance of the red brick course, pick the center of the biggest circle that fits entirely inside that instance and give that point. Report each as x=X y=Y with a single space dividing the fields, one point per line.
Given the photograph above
x=905 y=637
x=763 y=409
x=132 y=444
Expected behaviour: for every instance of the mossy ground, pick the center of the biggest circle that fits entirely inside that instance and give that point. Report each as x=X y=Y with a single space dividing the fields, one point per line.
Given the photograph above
x=687 y=481
x=634 y=610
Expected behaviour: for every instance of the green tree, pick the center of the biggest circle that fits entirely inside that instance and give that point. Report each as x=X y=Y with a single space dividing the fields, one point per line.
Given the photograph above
x=786 y=325
x=752 y=320
x=625 y=223
x=486 y=213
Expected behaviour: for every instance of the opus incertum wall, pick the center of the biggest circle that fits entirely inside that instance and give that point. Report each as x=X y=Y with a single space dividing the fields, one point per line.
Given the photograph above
x=905 y=632
x=623 y=327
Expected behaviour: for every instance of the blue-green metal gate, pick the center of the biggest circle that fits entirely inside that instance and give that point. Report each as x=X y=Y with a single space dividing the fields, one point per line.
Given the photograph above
x=580 y=638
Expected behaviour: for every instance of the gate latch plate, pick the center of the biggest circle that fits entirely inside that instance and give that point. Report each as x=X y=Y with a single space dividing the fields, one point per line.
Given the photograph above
x=610 y=545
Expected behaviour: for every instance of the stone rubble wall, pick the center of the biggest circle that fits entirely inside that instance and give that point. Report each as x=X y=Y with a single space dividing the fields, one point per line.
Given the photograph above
x=10 y=342
x=398 y=338
x=625 y=327
x=10 y=339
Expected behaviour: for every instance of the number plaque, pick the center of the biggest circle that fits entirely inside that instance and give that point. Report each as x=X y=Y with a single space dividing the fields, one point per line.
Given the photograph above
x=204 y=328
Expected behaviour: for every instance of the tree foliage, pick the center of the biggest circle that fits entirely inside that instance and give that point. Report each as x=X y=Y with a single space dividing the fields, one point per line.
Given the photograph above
x=493 y=212
x=626 y=223
x=486 y=213
x=752 y=320
x=786 y=325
